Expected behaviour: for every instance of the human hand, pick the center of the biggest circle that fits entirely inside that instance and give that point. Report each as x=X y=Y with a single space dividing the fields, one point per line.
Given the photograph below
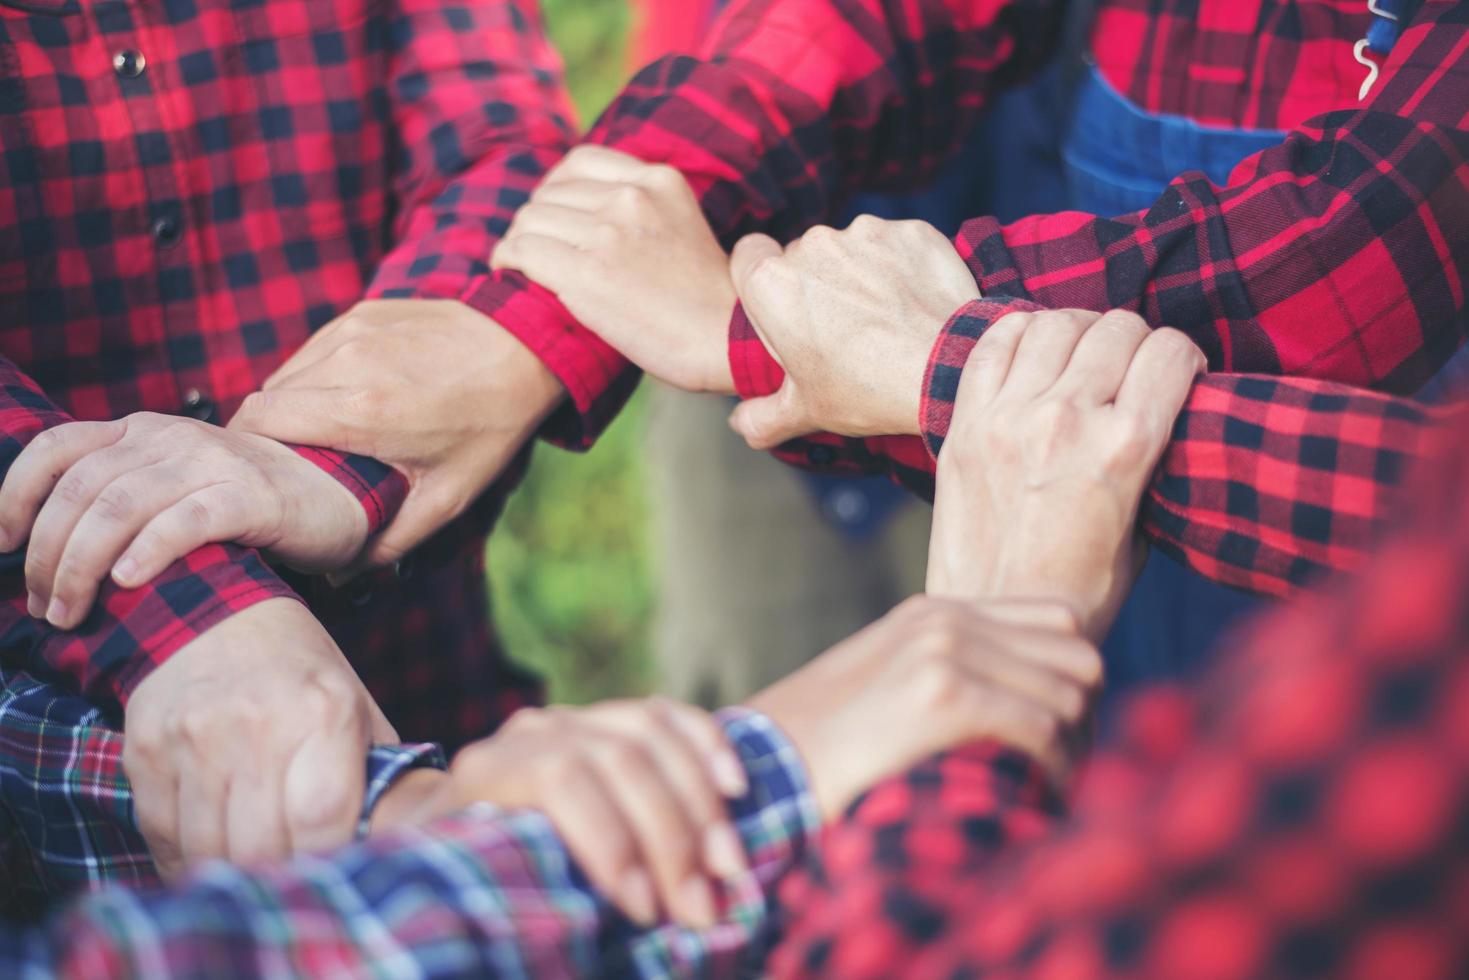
x=248 y=743
x=432 y=388
x=636 y=790
x=1060 y=419
x=934 y=674
x=852 y=317
x=128 y=498
x=625 y=247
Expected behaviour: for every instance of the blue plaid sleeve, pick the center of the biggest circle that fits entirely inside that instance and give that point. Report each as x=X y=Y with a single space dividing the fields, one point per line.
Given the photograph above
x=65 y=804
x=481 y=894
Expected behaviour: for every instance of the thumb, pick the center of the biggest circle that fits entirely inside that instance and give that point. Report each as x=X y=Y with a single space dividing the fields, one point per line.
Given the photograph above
x=767 y=422
x=304 y=416
x=748 y=255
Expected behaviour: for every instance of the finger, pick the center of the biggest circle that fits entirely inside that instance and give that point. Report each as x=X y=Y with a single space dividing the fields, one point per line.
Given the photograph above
x=1044 y=350
x=155 y=807
x=1159 y=379
x=104 y=532
x=590 y=162
x=213 y=514
x=687 y=772
x=202 y=799
x=668 y=840
x=768 y=422
x=1024 y=725
x=990 y=360
x=39 y=466
x=75 y=493
x=1102 y=356
x=427 y=508
x=1036 y=613
x=255 y=828
x=707 y=737
x=325 y=779
x=589 y=196
x=1029 y=677
x=571 y=226
x=304 y=416
x=750 y=255
x=551 y=262
x=1062 y=652
x=600 y=838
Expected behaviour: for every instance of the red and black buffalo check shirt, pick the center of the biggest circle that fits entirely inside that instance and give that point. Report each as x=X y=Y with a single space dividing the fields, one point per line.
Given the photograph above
x=1340 y=255
x=1304 y=812
x=188 y=188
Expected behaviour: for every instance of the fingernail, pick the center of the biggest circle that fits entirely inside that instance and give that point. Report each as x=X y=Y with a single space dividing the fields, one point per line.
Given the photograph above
x=723 y=851
x=34 y=606
x=635 y=895
x=5 y=540
x=730 y=776
x=56 y=612
x=124 y=571
x=696 y=903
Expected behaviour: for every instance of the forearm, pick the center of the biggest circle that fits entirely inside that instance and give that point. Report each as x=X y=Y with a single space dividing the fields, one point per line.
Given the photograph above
x=129 y=631
x=789 y=109
x=62 y=781
x=1341 y=254
x=1267 y=483
x=479 y=894
x=480 y=106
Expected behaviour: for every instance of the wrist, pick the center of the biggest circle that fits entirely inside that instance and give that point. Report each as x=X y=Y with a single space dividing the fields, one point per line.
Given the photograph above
x=325 y=525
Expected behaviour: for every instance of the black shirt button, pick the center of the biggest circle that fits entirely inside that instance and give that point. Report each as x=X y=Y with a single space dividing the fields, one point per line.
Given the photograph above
x=821 y=455
x=129 y=64
x=361 y=592
x=167 y=230
x=199 y=406
x=403 y=568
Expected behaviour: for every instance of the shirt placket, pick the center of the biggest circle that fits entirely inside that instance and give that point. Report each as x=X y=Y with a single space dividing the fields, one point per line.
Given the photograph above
x=165 y=215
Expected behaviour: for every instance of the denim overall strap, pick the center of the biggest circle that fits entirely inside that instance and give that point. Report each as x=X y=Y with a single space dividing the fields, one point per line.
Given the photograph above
x=1389 y=19
x=1118 y=159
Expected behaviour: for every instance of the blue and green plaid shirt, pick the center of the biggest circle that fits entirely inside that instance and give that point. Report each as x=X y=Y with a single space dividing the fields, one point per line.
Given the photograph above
x=483 y=893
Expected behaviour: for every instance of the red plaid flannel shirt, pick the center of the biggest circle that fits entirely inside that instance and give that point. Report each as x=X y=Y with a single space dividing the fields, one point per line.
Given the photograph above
x=1341 y=255
x=1303 y=812
x=188 y=188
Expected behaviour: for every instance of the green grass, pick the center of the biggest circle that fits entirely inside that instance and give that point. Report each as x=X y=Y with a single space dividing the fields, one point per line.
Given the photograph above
x=569 y=563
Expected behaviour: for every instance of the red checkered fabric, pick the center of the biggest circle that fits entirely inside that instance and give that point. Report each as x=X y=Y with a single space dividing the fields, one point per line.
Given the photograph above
x=1340 y=255
x=1303 y=812
x=1267 y=483
x=187 y=190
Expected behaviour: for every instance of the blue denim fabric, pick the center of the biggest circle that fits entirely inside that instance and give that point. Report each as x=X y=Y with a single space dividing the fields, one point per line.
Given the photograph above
x=1117 y=159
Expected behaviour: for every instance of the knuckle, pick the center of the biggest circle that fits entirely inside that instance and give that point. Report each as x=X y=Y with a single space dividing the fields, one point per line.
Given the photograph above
x=367 y=402
x=194 y=515
x=935 y=679
x=625 y=753
x=630 y=198
x=115 y=503
x=73 y=488
x=196 y=724
x=665 y=177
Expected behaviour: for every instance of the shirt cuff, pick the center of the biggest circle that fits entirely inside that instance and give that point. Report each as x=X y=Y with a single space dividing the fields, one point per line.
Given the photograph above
x=598 y=379
x=755 y=372
x=378 y=487
x=946 y=363
x=386 y=764
x=778 y=817
x=130 y=632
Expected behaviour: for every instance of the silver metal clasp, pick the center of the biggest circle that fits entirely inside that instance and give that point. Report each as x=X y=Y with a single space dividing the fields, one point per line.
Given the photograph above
x=1359 y=52
x=1374 y=8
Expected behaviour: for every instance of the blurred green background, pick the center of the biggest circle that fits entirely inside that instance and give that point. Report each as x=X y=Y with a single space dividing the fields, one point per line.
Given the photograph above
x=569 y=562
